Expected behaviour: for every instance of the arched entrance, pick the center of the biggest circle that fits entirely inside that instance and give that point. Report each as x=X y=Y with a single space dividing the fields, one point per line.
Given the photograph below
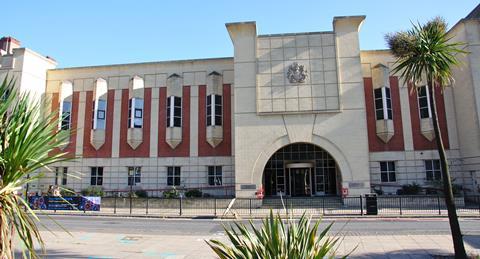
x=301 y=169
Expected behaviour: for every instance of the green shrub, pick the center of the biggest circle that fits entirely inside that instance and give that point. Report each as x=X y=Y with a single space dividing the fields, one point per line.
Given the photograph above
x=65 y=191
x=93 y=191
x=141 y=194
x=194 y=193
x=171 y=194
x=410 y=189
x=275 y=239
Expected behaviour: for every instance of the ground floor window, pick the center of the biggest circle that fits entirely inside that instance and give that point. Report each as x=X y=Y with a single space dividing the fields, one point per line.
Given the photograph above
x=173 y=175
x=96 y=175
x=432 y=170
x=61 y=175
x=387 y=171
x=134 y=175
x=214 y=175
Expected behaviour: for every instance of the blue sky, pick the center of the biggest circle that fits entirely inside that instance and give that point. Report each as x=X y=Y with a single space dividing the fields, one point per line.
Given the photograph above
x=95 y=32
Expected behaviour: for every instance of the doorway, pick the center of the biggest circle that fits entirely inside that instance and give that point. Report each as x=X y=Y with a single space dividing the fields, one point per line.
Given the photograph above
x=300 y=178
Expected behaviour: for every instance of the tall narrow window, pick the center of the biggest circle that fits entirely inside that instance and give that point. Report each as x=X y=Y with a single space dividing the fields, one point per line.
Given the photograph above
x=383 y=103
x=99 y=114
x=173 y=175
x=135 y=113
x=96 y=176
x=174 y=111
x=432 y=170
x=134 y=175
x=66 y=115
x=214 y=110
x=61 y=175
x=387 y=170
x=424 y=102
x=214 y=175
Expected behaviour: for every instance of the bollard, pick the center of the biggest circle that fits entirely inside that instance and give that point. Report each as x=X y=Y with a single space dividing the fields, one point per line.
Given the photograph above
x=215 y=206
x=361 y=205
x=400 y=202
x=146 y=209
x=180 y=200
x=438 y=202
x=115 y=203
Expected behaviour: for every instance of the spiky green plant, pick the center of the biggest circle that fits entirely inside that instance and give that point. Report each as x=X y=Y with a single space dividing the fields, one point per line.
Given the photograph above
x=27 y=139
x=426 y=53
x=277 y=240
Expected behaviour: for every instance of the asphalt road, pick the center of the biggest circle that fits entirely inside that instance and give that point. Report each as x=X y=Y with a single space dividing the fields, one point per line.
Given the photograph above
x=167 y=227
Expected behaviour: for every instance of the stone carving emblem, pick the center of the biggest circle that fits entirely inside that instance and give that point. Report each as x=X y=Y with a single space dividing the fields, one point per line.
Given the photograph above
x=296 y=73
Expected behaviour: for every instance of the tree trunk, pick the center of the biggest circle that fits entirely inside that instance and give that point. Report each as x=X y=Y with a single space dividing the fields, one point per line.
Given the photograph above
x=447 y=183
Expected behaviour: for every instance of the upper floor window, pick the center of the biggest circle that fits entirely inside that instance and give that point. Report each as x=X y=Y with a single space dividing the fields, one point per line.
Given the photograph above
x=214 y=175
x=99 y=114
x=214 y=110
x=433 y=170
x=383 y=103
x=134 y=175
x=174 y=111
x=96 y=175
x=387 y=171
x=66 y=115
x=135 y=113
x=173 y=175
x=424 y=102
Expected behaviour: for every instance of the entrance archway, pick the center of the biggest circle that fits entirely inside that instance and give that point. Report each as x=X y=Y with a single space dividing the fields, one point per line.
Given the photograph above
x=301 y=169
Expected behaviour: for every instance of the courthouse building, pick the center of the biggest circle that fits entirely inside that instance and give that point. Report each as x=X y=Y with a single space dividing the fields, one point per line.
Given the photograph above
x=298 y=114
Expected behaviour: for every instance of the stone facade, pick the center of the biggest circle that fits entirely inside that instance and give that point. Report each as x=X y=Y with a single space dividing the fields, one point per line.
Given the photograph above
x=309 y=106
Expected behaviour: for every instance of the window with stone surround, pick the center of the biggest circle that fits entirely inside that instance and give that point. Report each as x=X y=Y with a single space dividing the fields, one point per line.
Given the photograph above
x=423 y=96
x=135 y=113
x=173 y=175
x=214 y=110
x=66 y=113
x=387 y=171
x=96 y=176
x=61 y=175
x=99 y=114
x=215 y=175
x=174 y=111
x=383 y=103
x=433 y=170
x=134 y=175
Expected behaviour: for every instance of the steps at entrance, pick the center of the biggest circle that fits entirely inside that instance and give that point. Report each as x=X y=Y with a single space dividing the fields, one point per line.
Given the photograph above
x=303 y=202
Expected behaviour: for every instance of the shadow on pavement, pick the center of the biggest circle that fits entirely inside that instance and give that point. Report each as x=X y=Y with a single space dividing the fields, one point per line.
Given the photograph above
x=472 y=240
x=409 y=253
x=52 y=253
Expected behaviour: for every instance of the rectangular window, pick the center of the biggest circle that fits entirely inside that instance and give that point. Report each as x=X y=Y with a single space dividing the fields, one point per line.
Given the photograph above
x=173 y=175
x=383 y=103
x=214 y=110
x=66 y=115
x=134 y=175
x=424 y=102
x=135 y=113
x=96 y=176
x=174 y=111
x=99 y=114
x=61 y=175
x=214 y=175
x=433 y=170
x=387 y=170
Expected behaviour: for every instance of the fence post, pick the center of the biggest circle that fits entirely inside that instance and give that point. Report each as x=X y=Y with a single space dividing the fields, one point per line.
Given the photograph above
x=361 y=205
x=180 y=200
x=438 y=202
x=146 y=209
x=215 y=206
x=115 y=203
x=400 y=202
x=478 y=201
x=131 y=199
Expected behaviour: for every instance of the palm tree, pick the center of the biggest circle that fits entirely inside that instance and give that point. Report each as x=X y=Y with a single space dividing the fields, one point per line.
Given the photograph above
x=425 y=53
x=27 y=139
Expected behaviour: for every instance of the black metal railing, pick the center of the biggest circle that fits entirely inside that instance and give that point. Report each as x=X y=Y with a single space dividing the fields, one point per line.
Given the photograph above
x=315 y=206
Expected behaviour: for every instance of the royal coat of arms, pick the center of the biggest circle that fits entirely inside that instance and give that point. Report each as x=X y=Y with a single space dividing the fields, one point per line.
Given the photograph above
x=296 y=73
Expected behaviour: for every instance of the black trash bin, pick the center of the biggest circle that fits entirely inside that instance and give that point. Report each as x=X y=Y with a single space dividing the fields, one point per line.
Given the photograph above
x=371 y=203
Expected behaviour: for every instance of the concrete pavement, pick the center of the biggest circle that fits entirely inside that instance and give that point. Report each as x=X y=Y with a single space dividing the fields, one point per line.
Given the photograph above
x=103 y=237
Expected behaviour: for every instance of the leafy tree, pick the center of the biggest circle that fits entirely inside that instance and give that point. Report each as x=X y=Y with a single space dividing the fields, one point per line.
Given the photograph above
x=27 y=140
x=426 y=53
